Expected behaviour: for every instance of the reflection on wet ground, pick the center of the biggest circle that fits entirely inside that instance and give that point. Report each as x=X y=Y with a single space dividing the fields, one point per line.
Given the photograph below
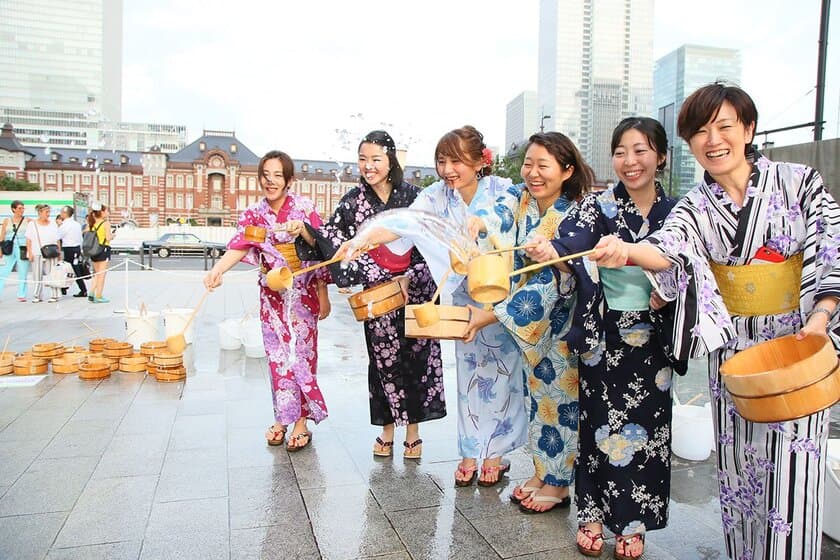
x=131 y=468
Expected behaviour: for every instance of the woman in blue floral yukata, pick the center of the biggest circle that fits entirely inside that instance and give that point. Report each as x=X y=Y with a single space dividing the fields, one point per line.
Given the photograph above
x=746 y=213
x=538 y=315
x=623 y=470
x=491 y=418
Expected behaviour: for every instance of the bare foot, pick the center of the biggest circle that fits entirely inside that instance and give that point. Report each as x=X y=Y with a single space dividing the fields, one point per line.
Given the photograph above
x=630 y=546
x=465 y=471
x=590 y=539
x=522 y=491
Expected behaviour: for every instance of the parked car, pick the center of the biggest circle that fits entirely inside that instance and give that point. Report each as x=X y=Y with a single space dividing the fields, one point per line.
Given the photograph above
x=183 y=244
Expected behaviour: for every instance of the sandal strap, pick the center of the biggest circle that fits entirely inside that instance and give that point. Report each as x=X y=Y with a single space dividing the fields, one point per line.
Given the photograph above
x=589 y=534
x=413 y=444
x=300 y=436
x=631 y=539
x=383 y=443
x=467 y=470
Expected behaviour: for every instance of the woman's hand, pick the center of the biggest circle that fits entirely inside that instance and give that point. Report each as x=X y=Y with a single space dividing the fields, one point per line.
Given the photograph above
x=323 y=302
x=479 y=318
x=656 y=301
x=610 y=252
x=294 y=227
x=475 y=225
x=213 y=279
x=817 y=323
x=540 y=249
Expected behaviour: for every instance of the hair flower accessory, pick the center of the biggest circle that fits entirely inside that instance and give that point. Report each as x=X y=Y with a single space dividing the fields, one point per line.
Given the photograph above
x=486 y=156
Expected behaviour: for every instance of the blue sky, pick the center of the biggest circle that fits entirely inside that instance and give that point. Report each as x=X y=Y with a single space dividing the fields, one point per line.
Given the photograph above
x=312 y=77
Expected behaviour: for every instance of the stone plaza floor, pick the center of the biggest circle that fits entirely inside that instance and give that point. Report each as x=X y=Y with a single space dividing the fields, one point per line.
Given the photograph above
x=131 y=468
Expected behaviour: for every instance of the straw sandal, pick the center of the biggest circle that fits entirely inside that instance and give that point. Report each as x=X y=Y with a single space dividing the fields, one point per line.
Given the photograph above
x=409 y=449
x=500 y=470
x=472 y=471
x=524 y=491
x=594 y=538
x=629 y=539
x=295 y=444
x=386 y=448
x=555 y=503
x=275 y=437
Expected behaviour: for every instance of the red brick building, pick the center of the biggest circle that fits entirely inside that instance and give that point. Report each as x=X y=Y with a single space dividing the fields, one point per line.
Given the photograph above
x=209 y=181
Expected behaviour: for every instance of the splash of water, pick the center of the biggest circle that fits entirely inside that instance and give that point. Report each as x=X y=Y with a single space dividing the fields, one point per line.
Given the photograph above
x=419 y=224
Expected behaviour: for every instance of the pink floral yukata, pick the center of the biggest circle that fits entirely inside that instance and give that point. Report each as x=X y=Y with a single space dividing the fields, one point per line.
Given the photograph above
x=294 y=389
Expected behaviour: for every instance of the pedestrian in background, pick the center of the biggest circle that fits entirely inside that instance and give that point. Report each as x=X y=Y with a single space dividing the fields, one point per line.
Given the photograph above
x=13 y=234
x=70 y=235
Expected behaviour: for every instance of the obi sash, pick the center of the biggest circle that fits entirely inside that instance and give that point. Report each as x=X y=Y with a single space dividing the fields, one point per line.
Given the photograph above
x=626 y=288
x=389 y=260
x=290 y=254
x=760 y=289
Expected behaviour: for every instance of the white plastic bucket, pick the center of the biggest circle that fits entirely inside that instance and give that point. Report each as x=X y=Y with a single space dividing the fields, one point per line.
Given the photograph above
x=174 y=321
x=831 y=516
x=692 y=432
x=141 y=327
x=251 y=336
x=230 y=334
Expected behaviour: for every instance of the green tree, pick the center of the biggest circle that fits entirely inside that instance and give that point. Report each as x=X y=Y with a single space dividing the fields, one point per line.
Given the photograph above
x=428 y=180
x=10 y=184
x=510 y=165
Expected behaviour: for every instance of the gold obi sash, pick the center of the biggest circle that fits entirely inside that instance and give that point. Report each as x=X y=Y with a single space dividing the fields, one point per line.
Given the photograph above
x=290 y=254
x=760 y=289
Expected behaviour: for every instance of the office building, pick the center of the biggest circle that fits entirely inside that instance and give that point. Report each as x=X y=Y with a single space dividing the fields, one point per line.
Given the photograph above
x=522 y=119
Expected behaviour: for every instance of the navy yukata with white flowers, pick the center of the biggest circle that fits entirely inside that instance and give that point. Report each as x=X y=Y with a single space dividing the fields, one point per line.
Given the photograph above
x=538 y=314
x=623 y=470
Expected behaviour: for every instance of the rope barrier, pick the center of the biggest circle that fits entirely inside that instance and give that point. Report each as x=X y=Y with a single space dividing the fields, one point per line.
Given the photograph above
x=15 y=281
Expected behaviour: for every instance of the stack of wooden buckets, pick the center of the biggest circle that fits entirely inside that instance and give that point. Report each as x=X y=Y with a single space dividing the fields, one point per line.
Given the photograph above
x=103 y=356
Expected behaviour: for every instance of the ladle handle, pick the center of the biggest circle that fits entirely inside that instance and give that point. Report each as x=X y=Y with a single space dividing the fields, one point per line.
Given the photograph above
x=552 y=261
x=326 y=263
x=440 y=285
x=197 y=307
x=506 y=249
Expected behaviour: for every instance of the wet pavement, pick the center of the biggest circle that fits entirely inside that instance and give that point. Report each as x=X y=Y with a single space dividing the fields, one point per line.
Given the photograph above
x=131 y=468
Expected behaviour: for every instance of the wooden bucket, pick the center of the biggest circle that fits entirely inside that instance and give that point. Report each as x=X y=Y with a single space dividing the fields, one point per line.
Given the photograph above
x=117 y=350
x=135 y=363
x=377 y=301
x=488 y=279
x=171 y=375
x=255 y=234
x=69 y=363
x=7 y=355
x=47 y=350
x=148 y=349
x=452 y=325
x=95 y=368
x=456 y=264
x=290 y=254
x=783 y=379
x=29 y=366
x=98 y=344
x=7 y=364
x=168 y=359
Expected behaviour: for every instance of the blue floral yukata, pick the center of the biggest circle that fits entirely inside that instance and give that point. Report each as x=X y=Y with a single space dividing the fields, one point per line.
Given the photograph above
x=623 y=471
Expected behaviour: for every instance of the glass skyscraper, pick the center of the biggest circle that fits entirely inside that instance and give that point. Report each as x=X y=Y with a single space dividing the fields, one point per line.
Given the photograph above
x=676 y=76
x=595 y=67
x=65 y=56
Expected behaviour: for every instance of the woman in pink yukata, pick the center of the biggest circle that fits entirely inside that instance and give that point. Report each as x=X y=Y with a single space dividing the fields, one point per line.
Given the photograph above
x=290 y=335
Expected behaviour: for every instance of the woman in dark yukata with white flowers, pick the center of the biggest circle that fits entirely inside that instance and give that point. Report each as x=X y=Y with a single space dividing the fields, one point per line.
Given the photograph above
x=622 y=478
x=405 y=376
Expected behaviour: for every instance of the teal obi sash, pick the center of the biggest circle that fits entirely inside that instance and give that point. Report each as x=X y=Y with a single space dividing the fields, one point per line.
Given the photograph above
x=626 y=289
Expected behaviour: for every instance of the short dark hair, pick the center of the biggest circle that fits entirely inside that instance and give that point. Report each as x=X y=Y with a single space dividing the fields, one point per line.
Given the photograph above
x=16 y=203
x=285 y=162
x=464 y=144
x=67 y=210
x=703 y=106
x=650 y=128
x=383 y=139
x=567 y=154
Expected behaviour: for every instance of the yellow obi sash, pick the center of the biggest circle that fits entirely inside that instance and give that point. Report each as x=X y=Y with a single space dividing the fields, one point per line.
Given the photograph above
x=290 y=254
x=760 y=289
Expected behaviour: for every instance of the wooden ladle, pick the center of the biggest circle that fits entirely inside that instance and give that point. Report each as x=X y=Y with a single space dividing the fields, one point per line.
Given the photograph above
x=426 y=314
x=177 y=343
x=279 y=279
x=538 y=266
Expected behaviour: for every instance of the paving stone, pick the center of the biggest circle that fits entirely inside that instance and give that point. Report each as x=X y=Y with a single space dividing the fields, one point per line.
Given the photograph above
x=110 y=551
x=293 y=540
x=28 y=536
x=49 y=485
